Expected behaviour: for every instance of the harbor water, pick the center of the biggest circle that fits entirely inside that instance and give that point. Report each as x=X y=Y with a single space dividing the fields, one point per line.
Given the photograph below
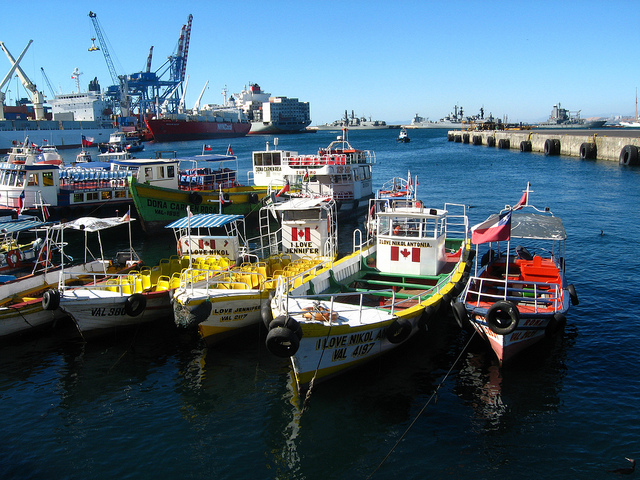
x=154 y=402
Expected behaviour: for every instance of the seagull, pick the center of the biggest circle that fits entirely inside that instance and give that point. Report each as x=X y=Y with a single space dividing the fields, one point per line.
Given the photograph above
x=626 y=470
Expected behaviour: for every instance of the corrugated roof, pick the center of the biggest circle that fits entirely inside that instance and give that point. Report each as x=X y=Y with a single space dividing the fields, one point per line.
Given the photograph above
x=205 y=220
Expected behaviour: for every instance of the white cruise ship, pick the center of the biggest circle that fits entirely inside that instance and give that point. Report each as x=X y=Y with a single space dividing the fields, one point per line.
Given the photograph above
x=269 y=114
x=74 y=115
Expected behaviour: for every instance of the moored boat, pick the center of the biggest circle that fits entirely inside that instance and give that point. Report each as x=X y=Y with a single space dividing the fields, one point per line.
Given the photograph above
x=206 y=124
x=16 y=254
x=222 y=303
x=375 y=299
x=200 y=181
x=338 y=171
x=31 y=301
x=517 y=297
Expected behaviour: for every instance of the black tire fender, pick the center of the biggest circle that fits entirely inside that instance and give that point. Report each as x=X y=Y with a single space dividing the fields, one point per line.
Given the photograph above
x=460 y=314
x=399 y=330
x=135 y=304
x=503 y=317
x=265 y=313
x=282 y=321
x=51 y=299
x=525 y=146
x=282 y=342
x=628 y=155
x=253 y=198
x=573 y=294
x=588 y=151
x=427 y=315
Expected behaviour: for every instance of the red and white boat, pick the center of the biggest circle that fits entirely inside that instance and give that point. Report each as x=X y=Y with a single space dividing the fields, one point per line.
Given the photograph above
x=338 y=171
x=517 y=297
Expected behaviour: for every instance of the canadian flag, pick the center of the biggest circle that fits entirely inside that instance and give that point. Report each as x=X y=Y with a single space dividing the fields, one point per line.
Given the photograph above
x=301 y=234
x=404 y=254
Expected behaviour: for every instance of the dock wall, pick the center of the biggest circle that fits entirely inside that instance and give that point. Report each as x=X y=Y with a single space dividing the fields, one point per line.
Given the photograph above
x=598 y=144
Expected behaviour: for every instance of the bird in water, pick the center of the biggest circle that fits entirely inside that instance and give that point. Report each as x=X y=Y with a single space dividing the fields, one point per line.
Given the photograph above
x=626 y=470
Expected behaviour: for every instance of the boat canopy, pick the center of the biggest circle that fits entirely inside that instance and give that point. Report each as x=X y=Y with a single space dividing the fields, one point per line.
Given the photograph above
x=537 y=227
x=212 y=157
x=205 y=220
x=301 y=203
x=19 y=225
x=93 y=224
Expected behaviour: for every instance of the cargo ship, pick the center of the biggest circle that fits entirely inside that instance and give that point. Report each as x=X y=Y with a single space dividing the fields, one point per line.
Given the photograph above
x=272 y=114
x=206 y=124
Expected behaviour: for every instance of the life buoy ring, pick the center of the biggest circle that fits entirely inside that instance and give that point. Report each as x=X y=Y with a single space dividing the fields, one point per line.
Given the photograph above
x=572 y=293
x=51 y=299
x=13 y=257
x=399 y=330
x=44 y=258
x=319 y=313
x=282 y=342
x=135 y=304
x=195 y=198
x=503 y=317
x=460 y=314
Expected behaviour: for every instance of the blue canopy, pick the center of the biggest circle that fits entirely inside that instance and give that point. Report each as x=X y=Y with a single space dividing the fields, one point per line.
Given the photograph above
x=205 y=220
x=13 y=226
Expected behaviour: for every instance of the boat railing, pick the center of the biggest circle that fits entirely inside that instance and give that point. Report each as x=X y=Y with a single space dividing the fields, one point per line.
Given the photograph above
x=539 y=295
x=124 y=284
x=456 y=224
x=92 y=178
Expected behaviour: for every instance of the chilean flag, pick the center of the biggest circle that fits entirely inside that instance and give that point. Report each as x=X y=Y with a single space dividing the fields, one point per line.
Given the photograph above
x=284 y=189
x=21 y=202
x=496 y=228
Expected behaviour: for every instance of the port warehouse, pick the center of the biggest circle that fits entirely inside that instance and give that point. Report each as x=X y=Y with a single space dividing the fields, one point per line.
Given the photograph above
x=603 y=144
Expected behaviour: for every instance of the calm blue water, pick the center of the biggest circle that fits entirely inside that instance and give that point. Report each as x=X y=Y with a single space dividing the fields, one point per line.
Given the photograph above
x=155 y=403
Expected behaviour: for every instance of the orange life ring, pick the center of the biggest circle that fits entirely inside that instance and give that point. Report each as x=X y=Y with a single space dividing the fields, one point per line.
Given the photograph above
x=319 y=313
x=13 y=257
x=45 y=256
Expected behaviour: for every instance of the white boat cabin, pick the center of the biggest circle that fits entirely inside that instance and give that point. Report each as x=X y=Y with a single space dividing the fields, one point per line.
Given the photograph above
x=339 y=171
x=411 y=239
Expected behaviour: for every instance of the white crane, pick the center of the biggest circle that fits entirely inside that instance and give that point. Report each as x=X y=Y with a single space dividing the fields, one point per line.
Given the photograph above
x=36 y=97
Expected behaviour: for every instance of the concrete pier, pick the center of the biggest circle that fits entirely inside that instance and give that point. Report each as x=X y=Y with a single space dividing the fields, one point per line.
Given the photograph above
x=617 y=145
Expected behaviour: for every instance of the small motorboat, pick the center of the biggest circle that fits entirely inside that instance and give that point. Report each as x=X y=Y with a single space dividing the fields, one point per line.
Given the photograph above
x=516 y=298
x=403 y=137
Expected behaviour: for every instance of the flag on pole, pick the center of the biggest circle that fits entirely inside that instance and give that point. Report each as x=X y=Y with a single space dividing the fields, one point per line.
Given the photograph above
x=221 y=197
x=409 y=181
x=45 y=213
x=127 y=216
x=207 y=148
x=284 y=189
x=87 y=141
x=21 y=202
x=496 y=228
x=229 y=150
x=306 y=176
x=522 y=202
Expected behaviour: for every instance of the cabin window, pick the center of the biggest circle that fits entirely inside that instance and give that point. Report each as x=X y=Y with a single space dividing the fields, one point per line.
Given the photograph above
x=160 y=172
x=148 y=173
x=32 y=181
x=47 y=179
x=20 y=178
x=120 y=194
x=78 y=198
x=92 y=196
x=171 y=171
x=383 y=228
x=106 y=195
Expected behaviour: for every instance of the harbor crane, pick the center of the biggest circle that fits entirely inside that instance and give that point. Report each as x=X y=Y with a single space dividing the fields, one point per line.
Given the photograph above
x=119 y=81
x=37 y=98
x=46 y=79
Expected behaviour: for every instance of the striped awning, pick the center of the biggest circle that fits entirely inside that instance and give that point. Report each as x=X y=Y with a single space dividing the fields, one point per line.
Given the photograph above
x=19 y=225
x=205 y=220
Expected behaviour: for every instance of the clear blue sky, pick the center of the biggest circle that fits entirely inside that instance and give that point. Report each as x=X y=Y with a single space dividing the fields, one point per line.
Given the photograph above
x=386 y=60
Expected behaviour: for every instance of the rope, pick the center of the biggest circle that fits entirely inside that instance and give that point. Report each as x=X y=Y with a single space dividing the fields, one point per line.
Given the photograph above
x=434 y=396
x=307 y=397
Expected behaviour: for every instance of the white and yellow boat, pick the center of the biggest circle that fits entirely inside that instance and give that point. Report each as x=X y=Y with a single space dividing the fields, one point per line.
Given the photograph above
x=221 y=303
x=375 y=299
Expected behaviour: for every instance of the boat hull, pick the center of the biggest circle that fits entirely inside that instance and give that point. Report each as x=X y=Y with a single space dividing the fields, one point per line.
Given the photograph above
x=99 y=311
x=170 y=130
x=47 y=132
x=158 y=206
